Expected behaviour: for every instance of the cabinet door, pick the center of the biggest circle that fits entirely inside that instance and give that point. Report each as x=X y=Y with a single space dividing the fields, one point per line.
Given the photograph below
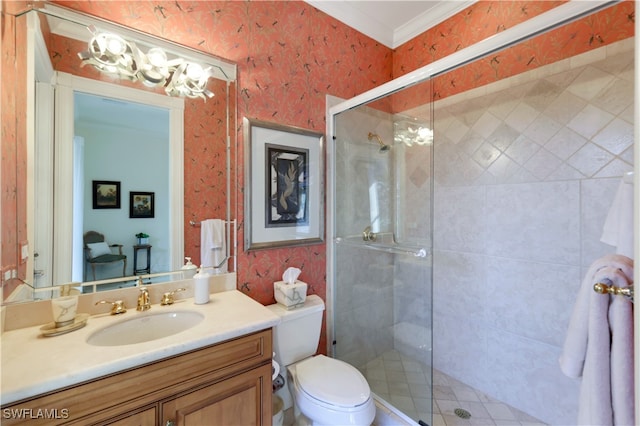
x=243 y=400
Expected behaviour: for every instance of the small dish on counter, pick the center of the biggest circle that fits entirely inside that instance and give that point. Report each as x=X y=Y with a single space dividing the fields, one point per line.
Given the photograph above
x=50 y=330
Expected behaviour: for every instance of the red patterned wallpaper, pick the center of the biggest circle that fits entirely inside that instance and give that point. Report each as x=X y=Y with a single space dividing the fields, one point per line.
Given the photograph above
x=9 y=155
x=13 y=163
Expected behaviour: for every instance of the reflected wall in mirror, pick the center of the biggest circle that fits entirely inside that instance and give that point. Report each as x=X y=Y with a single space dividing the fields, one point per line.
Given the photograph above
x=83 y=126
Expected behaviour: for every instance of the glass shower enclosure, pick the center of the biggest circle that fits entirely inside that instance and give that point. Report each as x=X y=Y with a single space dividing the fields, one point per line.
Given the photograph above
x=382 y=249
x=494 y=148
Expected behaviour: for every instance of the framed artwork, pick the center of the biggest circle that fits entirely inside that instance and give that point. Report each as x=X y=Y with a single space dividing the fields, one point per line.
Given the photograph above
x=141 y=205
x=106 y=194
x=284 y=198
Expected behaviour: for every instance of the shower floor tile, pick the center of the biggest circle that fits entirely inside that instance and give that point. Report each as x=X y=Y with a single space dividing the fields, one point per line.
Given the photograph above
x=403 y=382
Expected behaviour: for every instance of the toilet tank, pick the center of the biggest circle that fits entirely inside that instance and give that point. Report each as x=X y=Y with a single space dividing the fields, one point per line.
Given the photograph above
x=297 y=335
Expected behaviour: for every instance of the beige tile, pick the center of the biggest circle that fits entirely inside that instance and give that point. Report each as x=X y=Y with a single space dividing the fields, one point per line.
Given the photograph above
x=477 y=409
x=438 y=420
x=499 y=411
x=466 y=395
x=420 y=390
x=453 y=420
x=405 y=384
x=396 y=376
x=443 y=392
x=393 y=365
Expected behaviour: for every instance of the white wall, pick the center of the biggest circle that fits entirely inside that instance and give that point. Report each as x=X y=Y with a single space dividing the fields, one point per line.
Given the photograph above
x=525 y=172
x=139 y=161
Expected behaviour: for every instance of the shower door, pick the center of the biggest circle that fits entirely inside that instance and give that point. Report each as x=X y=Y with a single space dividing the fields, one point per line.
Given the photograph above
x=381 y=245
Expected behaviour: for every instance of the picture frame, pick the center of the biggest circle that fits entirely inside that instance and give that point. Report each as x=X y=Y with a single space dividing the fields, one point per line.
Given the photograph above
x=106 y=194
x=284 y=185
x=141 y=205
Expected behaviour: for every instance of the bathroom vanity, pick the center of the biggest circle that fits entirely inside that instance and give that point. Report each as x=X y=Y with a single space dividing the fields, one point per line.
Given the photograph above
x=216 y=372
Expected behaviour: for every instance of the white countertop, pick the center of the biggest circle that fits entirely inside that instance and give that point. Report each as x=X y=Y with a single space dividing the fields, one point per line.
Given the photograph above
x=33 y=364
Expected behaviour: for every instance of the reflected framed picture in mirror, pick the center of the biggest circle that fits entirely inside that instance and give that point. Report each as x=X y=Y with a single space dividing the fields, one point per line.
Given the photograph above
x=106 y=194
x=284 y=199
x=141 y=205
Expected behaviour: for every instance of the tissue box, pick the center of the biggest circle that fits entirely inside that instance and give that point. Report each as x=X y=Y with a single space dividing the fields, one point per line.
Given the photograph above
x=290 y=295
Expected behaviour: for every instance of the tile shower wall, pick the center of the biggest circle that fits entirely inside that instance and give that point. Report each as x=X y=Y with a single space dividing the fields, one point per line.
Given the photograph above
x=525 y=172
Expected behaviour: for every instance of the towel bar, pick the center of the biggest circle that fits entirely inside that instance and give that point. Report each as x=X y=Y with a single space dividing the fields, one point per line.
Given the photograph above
x=194 y=223
x=603 y=288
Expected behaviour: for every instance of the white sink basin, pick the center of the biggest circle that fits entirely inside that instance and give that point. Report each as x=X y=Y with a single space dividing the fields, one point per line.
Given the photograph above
x=144 y=328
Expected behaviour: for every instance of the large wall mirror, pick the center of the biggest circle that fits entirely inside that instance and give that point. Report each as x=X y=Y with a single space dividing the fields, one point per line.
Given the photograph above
x=141 y=163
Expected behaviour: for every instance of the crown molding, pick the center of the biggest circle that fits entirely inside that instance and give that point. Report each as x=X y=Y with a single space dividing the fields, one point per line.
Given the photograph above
x=350 y=14
x=430 y=18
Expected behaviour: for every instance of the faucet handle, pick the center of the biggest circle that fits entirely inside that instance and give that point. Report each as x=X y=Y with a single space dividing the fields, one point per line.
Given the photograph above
x=167 y=298
x=117 y=307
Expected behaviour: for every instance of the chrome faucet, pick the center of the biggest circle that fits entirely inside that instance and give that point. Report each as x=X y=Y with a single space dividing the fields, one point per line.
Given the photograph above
x=143 y=300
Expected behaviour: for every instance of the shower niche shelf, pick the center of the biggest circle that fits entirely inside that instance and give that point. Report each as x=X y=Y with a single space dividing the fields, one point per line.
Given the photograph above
x=383 y=245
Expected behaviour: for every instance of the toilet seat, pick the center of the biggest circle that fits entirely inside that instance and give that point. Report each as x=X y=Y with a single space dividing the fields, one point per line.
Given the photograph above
x=332 y=383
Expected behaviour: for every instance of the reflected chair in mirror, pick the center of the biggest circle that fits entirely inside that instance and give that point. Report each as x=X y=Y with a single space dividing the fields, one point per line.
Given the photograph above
x=98 y=252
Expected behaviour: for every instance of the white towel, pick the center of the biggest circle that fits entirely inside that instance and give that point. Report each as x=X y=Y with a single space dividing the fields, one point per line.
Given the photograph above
x=599 y=346
x=618 y=227
x=213 y=246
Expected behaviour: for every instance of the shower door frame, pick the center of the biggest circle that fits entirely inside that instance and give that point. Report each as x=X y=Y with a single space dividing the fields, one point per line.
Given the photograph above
x=554 y=18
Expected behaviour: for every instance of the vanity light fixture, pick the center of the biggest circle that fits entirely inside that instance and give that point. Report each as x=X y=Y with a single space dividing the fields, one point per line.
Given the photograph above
x=113 y=54
x=412 y=132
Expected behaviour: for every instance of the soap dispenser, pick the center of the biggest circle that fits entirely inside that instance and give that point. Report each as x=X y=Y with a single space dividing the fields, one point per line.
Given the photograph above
x=189 y=269
x=201 y=287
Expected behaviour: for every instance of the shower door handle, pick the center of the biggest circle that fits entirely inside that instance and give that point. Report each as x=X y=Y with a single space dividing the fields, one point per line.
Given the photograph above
x=368 y=234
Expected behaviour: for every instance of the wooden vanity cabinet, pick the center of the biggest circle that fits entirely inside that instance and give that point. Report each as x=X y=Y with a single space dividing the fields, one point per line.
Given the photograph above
x=224 y=384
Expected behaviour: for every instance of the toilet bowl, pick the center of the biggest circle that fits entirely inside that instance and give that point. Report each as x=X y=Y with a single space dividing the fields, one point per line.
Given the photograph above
x=330 y=392
x=322 y=390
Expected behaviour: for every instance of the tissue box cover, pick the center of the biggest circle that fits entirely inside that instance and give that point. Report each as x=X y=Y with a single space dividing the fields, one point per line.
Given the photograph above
x=290 y=295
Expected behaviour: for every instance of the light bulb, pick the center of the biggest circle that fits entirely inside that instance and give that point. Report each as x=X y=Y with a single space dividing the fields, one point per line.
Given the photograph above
x=115 y=46
x=194 y=72
x=157 y=57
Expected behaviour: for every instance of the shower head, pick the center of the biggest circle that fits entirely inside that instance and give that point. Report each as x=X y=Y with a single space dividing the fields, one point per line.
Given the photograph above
x=383 y=147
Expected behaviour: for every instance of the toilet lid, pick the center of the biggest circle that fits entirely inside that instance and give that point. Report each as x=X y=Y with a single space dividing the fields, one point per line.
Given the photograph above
x=332 y=381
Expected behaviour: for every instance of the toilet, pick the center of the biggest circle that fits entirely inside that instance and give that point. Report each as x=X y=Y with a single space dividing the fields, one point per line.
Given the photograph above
x=322 y=390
